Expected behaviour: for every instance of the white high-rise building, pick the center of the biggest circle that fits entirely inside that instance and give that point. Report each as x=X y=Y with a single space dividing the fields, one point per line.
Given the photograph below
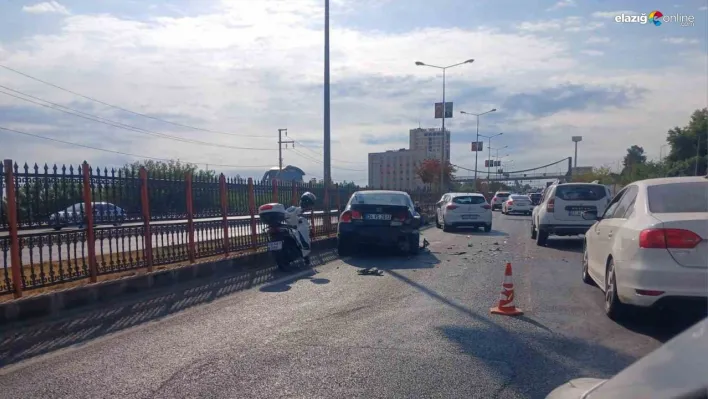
x=397 y=169
x=430 y=140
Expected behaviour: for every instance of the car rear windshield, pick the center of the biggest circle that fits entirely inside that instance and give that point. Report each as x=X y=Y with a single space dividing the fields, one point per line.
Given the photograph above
x=678 y=197
x=581 y=192
x=503 y=195
x=380 y=199
x=519 y=197
x=469 y=199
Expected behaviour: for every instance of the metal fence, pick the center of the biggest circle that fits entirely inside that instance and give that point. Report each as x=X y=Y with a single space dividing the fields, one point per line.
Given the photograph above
x=166 y=219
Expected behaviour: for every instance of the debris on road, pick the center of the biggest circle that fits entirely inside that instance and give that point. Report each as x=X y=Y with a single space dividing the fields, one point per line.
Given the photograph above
x=372 y=271
x=458 y=253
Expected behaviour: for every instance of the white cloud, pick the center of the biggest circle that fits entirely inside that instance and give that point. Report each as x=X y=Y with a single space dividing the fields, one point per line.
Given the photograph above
x=592 y=53
x=252 y=68
x=679 y=40
x=597 y=40
x=562 y=4
x=612 y=14
x=46 y=7
x=567 y=24
x=703 y=8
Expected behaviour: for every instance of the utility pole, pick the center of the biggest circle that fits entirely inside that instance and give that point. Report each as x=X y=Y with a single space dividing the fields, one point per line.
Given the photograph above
x=280 y=148
x=327 y=154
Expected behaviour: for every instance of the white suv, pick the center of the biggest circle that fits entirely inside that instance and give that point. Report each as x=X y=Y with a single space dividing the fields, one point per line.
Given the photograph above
x=561 y=209
x=463 y=209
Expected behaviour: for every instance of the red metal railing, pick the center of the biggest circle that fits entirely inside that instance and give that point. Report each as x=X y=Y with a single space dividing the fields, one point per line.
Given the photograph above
x=167 y=219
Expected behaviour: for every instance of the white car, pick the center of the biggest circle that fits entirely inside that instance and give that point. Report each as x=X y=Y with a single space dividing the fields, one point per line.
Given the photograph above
x=463 y=210
x=517 y=204
x=650 y=247
x=561 y=209
x=498 y=199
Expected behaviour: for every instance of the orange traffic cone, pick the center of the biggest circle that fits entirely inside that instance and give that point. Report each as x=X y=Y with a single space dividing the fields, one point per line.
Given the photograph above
x=506 y=300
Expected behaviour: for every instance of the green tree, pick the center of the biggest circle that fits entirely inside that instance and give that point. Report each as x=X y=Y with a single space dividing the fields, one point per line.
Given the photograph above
x=689 y=146
x=635 y=156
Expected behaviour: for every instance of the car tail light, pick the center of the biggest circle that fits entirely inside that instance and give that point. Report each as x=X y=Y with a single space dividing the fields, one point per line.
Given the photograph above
x=551 y=205
x=510 y=202
x=400 y=216
x=356 y=215
x=668 y=238
x=346 y=217
x=451 y=207
x=265 y=207
x=487 y=206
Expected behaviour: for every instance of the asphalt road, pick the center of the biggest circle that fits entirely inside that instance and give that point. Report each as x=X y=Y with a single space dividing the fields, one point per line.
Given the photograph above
x=423 y=329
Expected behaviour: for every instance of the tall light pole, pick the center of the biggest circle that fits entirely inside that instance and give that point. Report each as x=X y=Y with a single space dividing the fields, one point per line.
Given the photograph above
x=477 y=140
x=496 y=157
x=576 y=140
x=444 y=109
x=489 y=151
x=327 y=155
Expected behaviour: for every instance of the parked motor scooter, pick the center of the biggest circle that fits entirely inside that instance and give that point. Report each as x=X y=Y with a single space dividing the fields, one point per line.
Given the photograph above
x=288 y=231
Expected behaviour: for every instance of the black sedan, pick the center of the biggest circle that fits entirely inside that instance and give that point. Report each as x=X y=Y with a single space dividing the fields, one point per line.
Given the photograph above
x=379 y=218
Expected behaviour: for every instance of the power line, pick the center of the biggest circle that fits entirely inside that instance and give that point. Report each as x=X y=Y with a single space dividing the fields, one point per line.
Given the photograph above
x=318 y=154
x=121 y=152
x=109 y=122
x=125 y=109
x=320 y=162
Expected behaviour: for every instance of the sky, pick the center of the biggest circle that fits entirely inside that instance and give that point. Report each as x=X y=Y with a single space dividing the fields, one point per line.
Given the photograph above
x=211 y=82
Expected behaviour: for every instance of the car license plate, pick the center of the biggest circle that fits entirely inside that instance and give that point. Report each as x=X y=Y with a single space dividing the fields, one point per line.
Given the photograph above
x=575 y=212
x=275 y=246
x=377 y=216
x=469 y=216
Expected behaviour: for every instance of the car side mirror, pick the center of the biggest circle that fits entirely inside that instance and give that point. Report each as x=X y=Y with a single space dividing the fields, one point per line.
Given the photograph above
x=590 y=215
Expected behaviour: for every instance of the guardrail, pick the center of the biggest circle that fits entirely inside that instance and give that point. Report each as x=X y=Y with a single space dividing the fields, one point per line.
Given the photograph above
x=168 y=219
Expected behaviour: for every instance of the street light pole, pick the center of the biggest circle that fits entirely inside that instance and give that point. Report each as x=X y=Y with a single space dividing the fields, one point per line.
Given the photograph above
x=476 y=153
x=444 y=108
x=327 y=154
x=489 y=151
x=576 y=140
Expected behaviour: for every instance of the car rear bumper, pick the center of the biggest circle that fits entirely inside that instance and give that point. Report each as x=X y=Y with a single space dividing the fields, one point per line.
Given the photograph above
x=481 y=219
x=565 y=229
x=375 y=235
x=522 y=209
x=656 y=272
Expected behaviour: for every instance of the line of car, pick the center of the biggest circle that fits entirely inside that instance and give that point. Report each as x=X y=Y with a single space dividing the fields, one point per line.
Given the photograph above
x=645 y=247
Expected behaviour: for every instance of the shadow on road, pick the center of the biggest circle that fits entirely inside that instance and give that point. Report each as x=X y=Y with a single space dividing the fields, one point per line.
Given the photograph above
x=566 y=244
x=664 y=324
x=477 y=232
x=288 y=283
x=23 y=341
x=531 y=364
x=387 y=259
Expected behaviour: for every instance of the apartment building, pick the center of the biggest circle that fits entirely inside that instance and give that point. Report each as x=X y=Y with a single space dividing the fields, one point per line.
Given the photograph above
x=430 y=140
x=395 y=169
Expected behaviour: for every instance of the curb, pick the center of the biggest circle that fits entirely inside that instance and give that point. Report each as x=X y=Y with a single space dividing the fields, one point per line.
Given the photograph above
x=53 y=303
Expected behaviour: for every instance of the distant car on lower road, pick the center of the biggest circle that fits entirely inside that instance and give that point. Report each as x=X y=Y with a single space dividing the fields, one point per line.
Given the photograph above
x=103 y=213
x=649 y=248
x=535 y=198
x=379 y=218
x=498 y=199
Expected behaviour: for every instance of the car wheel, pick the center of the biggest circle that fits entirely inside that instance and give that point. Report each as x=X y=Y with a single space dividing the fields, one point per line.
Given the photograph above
x=446 y=227
x=541 y=237
x=533 y=231
x=613 y=307
x=488 y=228
x=437 y=222
x=586 y=274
